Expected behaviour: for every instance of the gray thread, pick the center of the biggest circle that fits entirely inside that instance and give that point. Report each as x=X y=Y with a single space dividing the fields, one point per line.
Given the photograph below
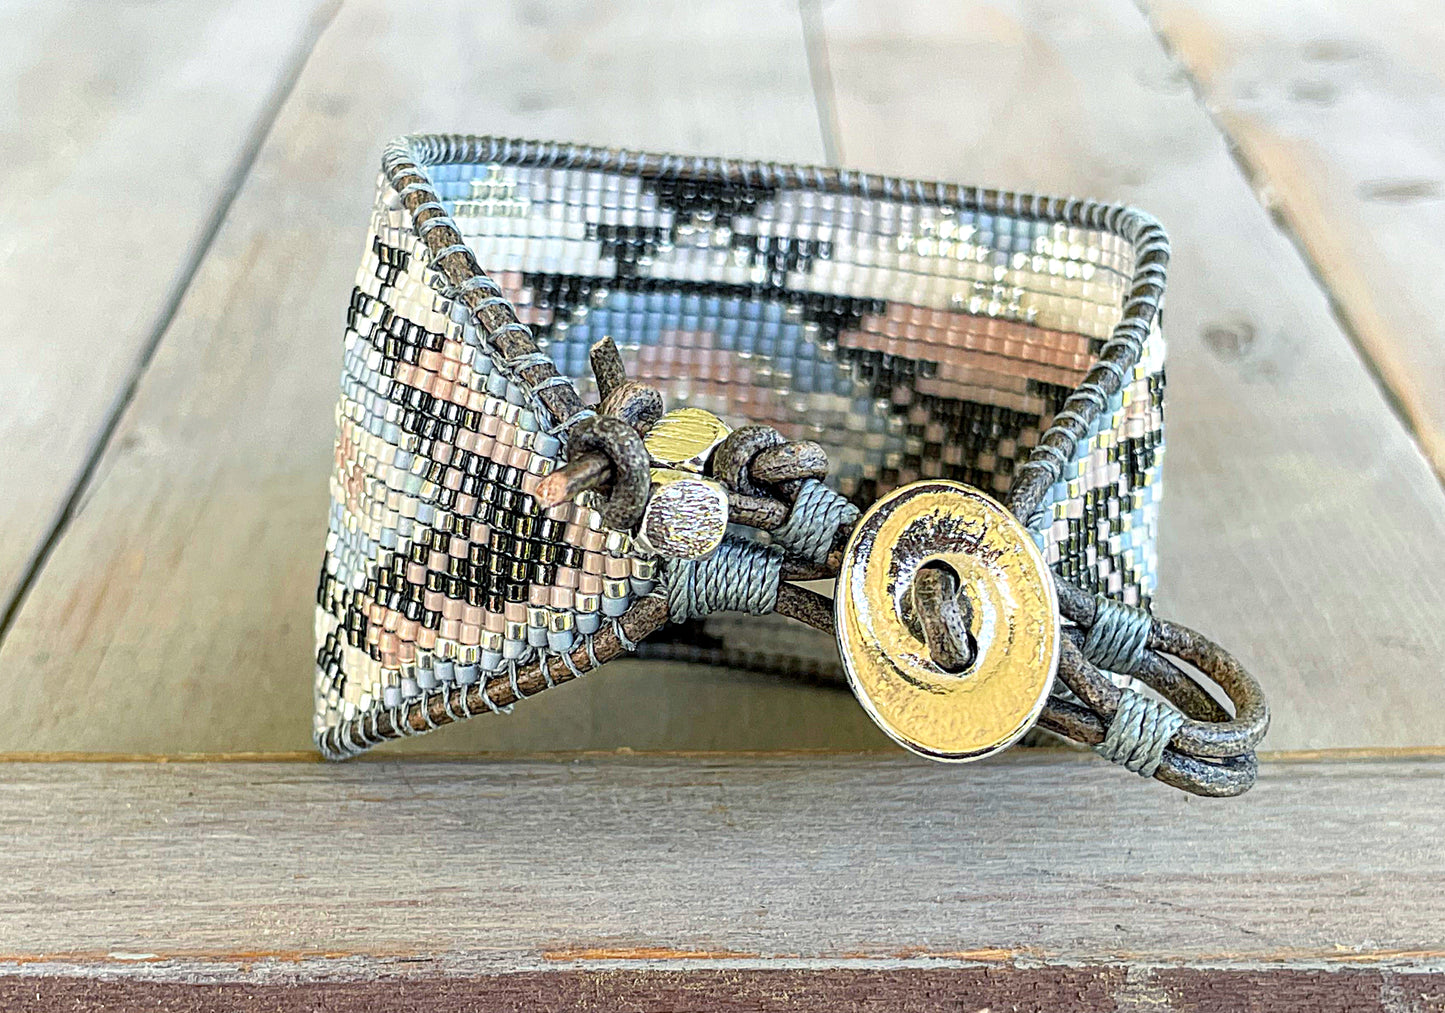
x=487 y=700
x=1043 y=450
x=466 y=692
x=1139 y=732
x=628 y=644
x=1120 y=635
x=514 y=327
x=445 y=252
x=529 y=360
x=566 y=657
x=481 y=283
x=571 y=420
x=399 y=721
x=431 y=223
x=813 y=522
x=741 y=576
x=1069 y=415
x=552 y=381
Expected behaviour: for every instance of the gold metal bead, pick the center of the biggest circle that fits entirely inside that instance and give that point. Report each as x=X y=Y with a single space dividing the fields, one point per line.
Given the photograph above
x=686 y=515
x=935 y=713
x=685 y=438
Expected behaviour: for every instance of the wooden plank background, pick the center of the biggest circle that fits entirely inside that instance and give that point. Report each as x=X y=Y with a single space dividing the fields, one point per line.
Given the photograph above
x=170 y=610
x=127 y=131
x=1336 y=111
x=605 y=878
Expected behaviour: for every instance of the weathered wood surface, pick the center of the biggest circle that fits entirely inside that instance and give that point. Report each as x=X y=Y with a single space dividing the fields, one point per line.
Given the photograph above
x=123 y=130
x=176 y=614
x=1335 y=109
x=1301 y=526
x=1046 y=873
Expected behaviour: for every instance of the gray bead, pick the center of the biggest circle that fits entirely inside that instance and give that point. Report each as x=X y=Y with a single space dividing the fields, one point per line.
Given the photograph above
x=561 y=641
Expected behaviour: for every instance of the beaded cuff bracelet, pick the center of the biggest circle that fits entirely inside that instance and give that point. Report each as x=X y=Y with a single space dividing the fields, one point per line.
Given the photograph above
x=903 y=353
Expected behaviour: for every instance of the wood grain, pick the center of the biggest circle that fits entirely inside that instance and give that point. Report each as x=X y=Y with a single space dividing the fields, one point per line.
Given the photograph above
x=176 y=614
x=286 y=872
x=752 y=990
x=121 y=133
x=1301 y=526
x=1335 y=110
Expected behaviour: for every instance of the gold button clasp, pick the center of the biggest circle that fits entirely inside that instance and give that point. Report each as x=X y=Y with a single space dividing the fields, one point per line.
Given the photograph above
x=1013 y=618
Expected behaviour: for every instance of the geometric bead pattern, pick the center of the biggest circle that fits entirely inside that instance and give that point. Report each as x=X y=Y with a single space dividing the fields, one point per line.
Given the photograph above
x=911 y=339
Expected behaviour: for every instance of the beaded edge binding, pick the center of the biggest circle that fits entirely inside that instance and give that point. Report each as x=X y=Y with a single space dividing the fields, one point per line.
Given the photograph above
x=555 y=396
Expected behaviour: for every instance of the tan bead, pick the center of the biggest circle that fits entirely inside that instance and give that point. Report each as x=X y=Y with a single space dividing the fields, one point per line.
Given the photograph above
x=686 y=515
x=685 y=438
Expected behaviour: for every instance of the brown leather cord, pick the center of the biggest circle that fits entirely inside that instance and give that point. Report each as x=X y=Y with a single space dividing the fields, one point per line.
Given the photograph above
x=942 y=614
x=624 y=497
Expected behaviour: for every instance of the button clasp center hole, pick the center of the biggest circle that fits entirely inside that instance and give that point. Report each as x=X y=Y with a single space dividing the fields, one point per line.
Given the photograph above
x=938 y=612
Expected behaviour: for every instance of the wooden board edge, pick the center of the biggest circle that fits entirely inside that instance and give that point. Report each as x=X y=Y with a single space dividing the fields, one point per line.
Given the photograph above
x=1026 y=754
x=918 y=989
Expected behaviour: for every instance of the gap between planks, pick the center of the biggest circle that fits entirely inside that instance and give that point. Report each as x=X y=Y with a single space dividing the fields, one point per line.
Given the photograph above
x=200 y=248
x=1379 y=362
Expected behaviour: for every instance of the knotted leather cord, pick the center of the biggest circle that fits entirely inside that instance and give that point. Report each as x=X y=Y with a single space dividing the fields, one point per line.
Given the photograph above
x=1186 y=740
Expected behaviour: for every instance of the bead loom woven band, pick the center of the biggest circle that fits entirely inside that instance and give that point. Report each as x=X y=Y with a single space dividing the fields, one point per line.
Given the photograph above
x=503 y=521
